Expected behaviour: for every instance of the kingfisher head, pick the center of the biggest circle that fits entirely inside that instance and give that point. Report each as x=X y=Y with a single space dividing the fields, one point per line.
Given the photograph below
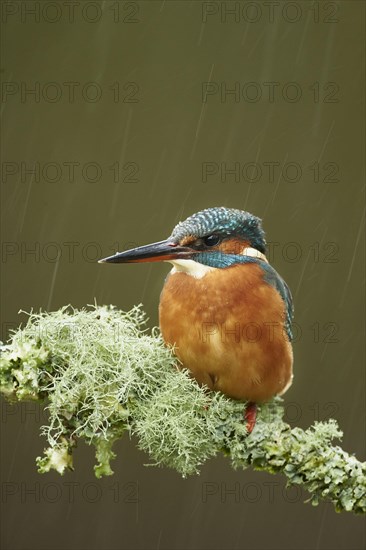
x=215 y=237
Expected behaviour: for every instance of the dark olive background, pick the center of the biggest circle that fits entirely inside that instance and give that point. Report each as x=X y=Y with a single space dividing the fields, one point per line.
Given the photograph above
x=169 y=132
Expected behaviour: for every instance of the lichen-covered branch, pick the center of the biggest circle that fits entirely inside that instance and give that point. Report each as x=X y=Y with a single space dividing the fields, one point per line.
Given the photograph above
x=100 y=374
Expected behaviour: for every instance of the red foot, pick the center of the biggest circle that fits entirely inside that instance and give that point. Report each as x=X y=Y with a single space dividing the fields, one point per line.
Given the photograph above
x=250 y=415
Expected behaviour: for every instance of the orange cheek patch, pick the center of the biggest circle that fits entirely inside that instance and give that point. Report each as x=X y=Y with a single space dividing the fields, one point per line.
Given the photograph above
x=233 y=246
x=186 y=241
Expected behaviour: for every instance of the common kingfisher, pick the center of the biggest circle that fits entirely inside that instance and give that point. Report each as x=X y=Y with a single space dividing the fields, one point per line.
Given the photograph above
x=223 y=307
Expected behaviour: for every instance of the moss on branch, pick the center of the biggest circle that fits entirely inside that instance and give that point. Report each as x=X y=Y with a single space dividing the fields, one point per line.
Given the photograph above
x=99 y=374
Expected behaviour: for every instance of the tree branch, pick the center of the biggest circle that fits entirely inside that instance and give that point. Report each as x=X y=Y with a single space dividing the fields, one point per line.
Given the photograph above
x=100 y=374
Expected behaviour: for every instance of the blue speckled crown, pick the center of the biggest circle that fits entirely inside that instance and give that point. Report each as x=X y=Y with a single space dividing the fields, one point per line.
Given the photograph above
x=229 y=221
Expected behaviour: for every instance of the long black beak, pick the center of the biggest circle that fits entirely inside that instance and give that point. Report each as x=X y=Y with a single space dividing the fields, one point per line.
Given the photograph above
x=163 y=250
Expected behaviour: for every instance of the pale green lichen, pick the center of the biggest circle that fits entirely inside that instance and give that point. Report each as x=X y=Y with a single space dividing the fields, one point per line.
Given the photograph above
x=21 y=365
x=100 y=374
x=57 y=457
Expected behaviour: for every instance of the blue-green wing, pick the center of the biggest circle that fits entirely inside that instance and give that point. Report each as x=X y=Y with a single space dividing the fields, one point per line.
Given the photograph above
x=273 y=278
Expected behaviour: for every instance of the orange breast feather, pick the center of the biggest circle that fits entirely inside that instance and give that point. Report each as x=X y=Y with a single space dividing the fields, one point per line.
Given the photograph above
x=228 y=329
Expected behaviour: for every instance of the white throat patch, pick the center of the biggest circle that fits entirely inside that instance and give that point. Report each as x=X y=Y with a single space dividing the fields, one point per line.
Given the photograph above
x=195 y=269
x=198 y=271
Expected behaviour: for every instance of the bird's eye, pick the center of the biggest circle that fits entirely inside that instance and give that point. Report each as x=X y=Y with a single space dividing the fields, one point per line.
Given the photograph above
x=211 y=240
